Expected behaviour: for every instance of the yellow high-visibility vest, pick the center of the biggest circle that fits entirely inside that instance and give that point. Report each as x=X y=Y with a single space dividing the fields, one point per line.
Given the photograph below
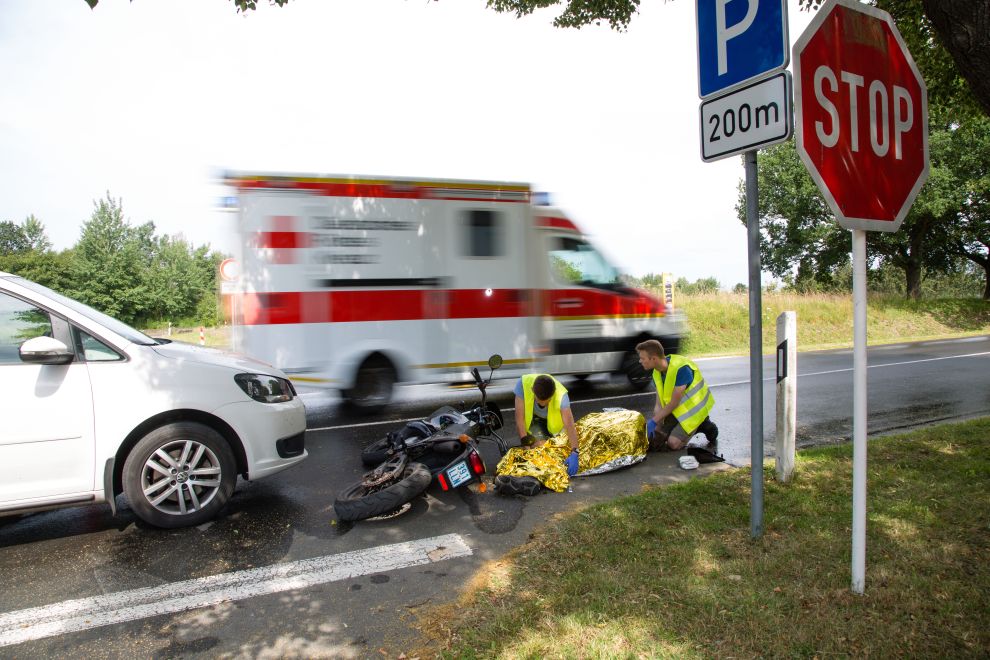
x=697 y=401
x=554 y=421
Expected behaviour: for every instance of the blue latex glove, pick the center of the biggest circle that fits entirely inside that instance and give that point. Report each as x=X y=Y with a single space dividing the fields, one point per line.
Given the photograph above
x=572 y=463
x=651 y=427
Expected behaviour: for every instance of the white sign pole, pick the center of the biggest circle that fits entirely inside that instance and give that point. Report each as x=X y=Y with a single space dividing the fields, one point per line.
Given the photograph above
x=859 y=412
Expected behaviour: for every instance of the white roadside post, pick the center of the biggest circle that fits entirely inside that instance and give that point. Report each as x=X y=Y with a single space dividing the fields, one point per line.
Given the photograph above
x=786 y=394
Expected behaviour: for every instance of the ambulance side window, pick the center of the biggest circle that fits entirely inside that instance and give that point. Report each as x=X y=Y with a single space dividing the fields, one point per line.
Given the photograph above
x=484 y=233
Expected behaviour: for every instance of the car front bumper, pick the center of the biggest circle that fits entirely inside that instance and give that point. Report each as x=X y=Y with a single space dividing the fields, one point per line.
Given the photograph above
x=273 y=434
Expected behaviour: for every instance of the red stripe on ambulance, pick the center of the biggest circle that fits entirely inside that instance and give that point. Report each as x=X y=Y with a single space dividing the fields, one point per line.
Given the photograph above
x=417 y=305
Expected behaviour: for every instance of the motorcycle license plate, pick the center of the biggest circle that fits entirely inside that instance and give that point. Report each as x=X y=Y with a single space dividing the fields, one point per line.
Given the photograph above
x=458 y=474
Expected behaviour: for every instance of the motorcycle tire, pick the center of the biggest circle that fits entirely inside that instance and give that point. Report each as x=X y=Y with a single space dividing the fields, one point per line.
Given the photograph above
x=355 y=503
x=376 y=453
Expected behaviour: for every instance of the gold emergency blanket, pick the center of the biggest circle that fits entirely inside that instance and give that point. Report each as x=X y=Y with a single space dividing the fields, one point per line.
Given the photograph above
x=606 y=441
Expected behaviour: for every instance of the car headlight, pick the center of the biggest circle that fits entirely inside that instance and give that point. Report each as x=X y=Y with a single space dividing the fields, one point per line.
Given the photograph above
x=264 y=388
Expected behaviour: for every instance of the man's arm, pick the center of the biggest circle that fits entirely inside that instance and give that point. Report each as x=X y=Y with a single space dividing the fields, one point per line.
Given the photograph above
x=675 y=400
x=572 y=435
x=521 y=418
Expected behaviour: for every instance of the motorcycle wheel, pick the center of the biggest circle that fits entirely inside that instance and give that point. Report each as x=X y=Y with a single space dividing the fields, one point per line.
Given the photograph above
x=375 y=453
x=355 y=502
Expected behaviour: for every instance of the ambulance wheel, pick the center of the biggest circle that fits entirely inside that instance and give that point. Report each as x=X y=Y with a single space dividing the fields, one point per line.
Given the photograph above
x=373 y=385
x=638 y=377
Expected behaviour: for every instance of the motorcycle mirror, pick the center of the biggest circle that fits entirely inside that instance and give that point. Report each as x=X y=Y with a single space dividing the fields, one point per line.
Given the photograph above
x=495 y=361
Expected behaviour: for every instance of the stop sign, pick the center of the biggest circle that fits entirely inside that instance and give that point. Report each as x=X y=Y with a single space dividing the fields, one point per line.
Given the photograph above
x=862 y=115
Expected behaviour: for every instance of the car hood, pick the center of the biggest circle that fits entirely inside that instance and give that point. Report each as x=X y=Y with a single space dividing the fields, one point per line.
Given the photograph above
x=214 y=356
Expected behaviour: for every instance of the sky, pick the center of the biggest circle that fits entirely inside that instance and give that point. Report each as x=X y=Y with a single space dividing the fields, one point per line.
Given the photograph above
x=147 y=100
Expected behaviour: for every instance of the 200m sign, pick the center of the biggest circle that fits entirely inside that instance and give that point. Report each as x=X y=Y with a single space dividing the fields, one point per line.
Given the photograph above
x=755 y=116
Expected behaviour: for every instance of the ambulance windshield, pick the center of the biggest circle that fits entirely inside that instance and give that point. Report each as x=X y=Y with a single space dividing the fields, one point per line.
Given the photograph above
x=574 y=261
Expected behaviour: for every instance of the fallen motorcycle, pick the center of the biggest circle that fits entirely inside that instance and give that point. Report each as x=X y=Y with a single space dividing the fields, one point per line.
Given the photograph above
x=443 y=446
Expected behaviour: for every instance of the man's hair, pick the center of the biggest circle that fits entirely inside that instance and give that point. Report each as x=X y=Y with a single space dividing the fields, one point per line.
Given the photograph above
x=651 y=346
x=544 y=387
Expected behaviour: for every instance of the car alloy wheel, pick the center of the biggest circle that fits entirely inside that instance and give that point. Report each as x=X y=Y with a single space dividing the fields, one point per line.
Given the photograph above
x=179 y=474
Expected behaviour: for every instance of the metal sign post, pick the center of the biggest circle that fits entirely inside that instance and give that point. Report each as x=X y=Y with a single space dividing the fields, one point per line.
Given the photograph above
x=741 y=45
x=755 y=348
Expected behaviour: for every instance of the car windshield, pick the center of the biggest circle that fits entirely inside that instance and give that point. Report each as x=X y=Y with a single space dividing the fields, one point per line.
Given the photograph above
x=112 y=324
x=577 y=262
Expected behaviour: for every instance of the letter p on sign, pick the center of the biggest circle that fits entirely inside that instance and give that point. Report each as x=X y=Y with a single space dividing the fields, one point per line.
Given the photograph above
x=739 y=41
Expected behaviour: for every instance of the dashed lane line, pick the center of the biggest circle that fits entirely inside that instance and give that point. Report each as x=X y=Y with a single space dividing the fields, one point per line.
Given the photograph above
x=108 y=609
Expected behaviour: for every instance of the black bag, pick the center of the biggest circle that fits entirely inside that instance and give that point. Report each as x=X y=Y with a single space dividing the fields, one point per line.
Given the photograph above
x=702 y=455
x=506 y=485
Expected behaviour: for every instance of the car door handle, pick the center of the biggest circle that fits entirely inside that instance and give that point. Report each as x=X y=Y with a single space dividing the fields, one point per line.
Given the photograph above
x=569 y=303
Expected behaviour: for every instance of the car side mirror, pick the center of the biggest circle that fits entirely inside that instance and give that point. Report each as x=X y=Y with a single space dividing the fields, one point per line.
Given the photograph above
x=45 y=350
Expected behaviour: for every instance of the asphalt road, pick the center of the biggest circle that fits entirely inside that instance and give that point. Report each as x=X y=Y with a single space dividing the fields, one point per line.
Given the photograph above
x=363 y=604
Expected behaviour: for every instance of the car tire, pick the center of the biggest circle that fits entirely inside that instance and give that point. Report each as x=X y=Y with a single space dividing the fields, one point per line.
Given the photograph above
x=179 y=475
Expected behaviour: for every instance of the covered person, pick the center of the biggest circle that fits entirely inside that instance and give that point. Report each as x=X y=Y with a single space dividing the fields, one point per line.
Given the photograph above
x=542 y=410
x=683 y=400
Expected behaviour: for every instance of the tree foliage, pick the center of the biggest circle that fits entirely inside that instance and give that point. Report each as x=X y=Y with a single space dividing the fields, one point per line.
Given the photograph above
x=12 y=238
x=126 y=271
x=703 y=285
x=801 y=242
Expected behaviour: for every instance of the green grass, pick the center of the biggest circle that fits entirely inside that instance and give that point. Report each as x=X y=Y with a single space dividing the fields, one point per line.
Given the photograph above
x=217 y=337
x=719 y=322
x=673 y=572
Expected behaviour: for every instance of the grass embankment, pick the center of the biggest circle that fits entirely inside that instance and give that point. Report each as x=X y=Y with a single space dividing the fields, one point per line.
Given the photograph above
x=673 y=572
x=719 y=322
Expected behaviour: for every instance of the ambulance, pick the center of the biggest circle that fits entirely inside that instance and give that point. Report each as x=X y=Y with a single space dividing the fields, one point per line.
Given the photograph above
x=359 y=284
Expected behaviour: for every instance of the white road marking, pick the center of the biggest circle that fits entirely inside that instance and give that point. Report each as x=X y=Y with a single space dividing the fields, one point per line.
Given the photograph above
x=872 y=366
x=85 y=613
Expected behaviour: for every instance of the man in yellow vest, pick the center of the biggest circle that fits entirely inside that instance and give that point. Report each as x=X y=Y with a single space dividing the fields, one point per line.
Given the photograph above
x=683 y=399
x=542 y=410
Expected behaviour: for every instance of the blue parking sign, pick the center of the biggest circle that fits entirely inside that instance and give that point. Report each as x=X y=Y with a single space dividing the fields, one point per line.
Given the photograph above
x=739 y=41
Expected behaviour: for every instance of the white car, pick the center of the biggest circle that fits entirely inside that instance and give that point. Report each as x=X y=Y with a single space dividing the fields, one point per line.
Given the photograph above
x=90 y=408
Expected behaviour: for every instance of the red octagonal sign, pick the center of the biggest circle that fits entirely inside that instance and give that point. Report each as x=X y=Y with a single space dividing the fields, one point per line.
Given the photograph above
x=862 y=115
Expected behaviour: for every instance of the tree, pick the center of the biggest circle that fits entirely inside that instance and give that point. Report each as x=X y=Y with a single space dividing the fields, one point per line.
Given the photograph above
x=12 y=239
x=51 y=269
x=970 y=233
x=34 y=232
x=799 y=232
x=109 y=263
